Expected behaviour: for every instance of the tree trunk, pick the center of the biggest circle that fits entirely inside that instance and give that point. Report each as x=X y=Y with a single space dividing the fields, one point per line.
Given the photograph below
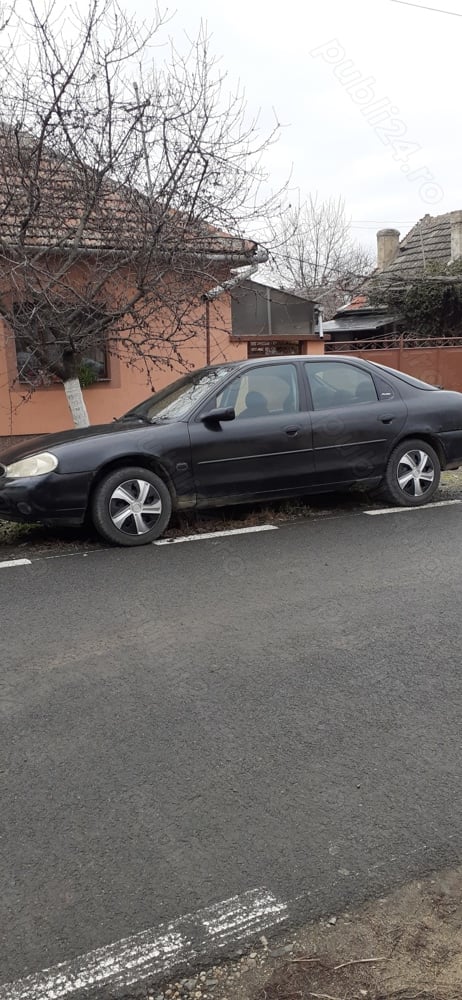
x=74 y=396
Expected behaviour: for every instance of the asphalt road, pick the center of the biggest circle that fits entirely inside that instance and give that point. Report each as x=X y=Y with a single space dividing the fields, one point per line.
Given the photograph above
x=180 y=724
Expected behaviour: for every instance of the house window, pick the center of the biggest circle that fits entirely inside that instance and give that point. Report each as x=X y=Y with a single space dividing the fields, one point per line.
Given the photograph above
x=94 y=366
x=95 y=362
x=273 y=348
x=28 y=332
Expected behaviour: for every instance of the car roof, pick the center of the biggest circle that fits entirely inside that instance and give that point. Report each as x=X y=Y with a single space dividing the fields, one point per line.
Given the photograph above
x=409 y=380
x=310 y=358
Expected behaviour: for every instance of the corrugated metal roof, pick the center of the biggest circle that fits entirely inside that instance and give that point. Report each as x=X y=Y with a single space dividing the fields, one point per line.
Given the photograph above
x=352 y=323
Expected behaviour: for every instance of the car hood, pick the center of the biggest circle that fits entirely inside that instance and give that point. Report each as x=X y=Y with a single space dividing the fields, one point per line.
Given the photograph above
x=49 y=442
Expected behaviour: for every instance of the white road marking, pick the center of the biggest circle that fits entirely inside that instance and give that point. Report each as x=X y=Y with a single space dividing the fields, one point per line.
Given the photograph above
x=216 y=534
x=404 y=510
x=9 y=563
x=155 y=952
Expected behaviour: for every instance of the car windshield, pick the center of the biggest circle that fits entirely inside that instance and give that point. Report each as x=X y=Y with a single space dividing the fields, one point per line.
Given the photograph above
x=176 y=401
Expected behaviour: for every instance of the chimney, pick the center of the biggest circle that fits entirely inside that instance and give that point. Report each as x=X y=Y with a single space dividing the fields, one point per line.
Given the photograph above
x=456 y=235
x=387 y=247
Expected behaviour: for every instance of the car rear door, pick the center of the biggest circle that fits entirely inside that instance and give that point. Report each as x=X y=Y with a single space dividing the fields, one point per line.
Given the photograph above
x=267 y=449
x=356 y=419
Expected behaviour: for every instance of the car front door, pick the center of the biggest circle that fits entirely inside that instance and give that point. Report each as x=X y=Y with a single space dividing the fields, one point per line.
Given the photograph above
x=356 y=419
x=267 y=449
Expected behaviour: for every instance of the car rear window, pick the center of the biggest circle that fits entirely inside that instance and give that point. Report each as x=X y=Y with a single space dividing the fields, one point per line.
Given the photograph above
x=409 y=379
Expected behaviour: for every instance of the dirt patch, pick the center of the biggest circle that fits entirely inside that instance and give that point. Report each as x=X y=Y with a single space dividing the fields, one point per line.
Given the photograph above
x=406 y=946
x=451 y=484
x=35 y=539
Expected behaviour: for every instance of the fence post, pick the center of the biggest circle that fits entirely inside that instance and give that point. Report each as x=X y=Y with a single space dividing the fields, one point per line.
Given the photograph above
x=400 y=352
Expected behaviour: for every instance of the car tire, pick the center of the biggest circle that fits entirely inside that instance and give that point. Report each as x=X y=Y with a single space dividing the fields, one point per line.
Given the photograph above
x=131 y=506
x=413 y=473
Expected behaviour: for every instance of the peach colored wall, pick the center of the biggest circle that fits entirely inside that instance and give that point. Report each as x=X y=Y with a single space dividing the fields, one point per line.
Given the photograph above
x=315 y=347
x=46 y=409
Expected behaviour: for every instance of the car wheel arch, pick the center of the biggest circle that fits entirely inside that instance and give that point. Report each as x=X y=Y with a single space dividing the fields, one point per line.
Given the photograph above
x=428 y=437
x=122 y=461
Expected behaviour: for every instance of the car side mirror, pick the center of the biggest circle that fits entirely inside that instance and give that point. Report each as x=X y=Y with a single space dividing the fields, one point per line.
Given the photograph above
x=220 y=413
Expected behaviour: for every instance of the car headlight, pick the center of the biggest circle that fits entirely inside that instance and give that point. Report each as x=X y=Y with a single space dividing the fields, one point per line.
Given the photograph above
x=34 y=465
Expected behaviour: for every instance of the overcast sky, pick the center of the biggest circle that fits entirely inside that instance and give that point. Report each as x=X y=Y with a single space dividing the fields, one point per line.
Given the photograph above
x=335 y=139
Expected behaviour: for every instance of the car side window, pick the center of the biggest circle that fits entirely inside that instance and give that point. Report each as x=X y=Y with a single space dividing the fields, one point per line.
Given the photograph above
x=339 y=384
x=266 y=390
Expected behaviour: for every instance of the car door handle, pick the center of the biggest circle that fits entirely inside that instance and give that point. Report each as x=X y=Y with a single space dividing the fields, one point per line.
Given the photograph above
x=387 y=418
x=292 y=430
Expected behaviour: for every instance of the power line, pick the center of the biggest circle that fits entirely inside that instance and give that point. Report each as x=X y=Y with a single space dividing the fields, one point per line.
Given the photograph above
x=372 y=226
x=436 y=10
x=381 y=222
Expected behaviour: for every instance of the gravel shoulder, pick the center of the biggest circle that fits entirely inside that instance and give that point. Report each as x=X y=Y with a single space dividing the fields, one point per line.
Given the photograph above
x=21 y=540
x=406 y=946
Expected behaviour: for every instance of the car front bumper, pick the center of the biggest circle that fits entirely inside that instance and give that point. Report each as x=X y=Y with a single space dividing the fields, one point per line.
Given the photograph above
x=50 y=499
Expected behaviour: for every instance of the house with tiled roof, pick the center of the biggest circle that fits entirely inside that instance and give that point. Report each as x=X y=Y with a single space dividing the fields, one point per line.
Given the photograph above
x=359 y=320
x=45 y=210
x=44 y=220
x=366 y=329
x=433 y=243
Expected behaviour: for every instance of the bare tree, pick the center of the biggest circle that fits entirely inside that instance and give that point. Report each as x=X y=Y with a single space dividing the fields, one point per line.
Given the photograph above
x=128 y=180
x=316 y=256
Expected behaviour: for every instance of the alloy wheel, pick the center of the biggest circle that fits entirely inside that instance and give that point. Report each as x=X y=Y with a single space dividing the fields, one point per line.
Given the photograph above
x=135 y=506
x=416 y=473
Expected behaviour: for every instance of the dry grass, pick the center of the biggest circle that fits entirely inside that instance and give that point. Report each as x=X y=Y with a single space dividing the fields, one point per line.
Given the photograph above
x=317 y=979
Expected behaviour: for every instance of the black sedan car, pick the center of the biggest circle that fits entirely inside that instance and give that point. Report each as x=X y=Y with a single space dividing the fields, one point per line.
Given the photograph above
x=246 y=431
